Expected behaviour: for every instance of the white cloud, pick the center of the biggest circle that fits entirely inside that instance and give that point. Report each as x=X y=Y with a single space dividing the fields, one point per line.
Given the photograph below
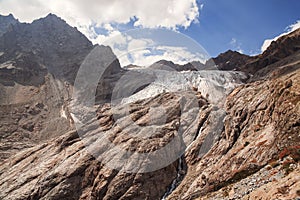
x=289 y=29
x=236 y=45
x=151 y=14
x=89 y=15
x=179 y=55
x=143 y=49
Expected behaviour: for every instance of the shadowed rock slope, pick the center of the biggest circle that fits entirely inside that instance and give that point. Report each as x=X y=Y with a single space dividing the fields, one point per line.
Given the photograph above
x=38 y=65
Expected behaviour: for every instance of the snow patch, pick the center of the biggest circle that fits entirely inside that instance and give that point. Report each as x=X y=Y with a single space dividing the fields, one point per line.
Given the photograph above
x=63 y=113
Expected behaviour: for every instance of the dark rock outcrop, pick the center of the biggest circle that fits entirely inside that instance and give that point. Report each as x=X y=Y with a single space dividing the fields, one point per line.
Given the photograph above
x=170 y=66
x=230 y=60
x=51 y=42
x=282 y=48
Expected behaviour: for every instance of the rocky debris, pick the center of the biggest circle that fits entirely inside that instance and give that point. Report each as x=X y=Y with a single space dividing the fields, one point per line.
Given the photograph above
x=30 y=115
x=216 y=160
x=242 y=146
x=268 y=183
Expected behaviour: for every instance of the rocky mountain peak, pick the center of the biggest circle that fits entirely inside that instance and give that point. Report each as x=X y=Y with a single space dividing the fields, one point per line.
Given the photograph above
x=53 y=17
x=57 y=24
x=170 y=66
x=230 y=60
x=8 y=17
x=283 y=47
x=164 y=65
x=51 y=41
x=5 y=22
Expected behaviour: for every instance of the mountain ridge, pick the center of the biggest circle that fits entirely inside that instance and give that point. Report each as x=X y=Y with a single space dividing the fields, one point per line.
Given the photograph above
x=237 y=149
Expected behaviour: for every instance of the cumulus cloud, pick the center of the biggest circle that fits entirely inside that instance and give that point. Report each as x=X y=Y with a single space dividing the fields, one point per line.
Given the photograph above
x=91 y=15
x=143 y=49
x=289 y=29
x=155 y=13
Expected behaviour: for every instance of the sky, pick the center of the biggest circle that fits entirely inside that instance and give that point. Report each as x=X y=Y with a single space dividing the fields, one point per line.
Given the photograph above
x=185 y=30
x=242 y=24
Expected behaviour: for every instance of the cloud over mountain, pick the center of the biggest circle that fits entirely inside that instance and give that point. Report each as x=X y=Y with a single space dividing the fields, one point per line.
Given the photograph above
x=289 y=29
x=100 y=21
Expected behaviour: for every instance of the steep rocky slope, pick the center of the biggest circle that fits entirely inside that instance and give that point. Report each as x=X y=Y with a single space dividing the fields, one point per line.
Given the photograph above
x=38 y=65
x=230 y=60
x=261 y=126
x=38 y=61
x=50 y=42
x=282 y=48
x=64 y=169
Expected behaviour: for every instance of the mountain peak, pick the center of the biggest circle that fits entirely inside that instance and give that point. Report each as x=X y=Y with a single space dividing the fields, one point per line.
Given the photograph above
x=51 y=19
x=6 y=21
x=231 y=52
x=50 y=39
x=52 y=16
x=9 y=16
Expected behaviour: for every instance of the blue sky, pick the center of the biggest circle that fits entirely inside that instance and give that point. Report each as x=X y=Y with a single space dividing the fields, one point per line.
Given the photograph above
x=235 y=24
x=217 y=25
x=248 y=22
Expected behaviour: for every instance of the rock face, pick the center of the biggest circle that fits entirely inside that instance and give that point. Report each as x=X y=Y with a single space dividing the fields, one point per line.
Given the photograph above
x=65 y=169
x=38 y=66
x=6 y=22
x=52 y=43
x=38 y=62
x=120 y=149
x=230 y=60
x=170 y=66
x=262 y=121
x=278 y=50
